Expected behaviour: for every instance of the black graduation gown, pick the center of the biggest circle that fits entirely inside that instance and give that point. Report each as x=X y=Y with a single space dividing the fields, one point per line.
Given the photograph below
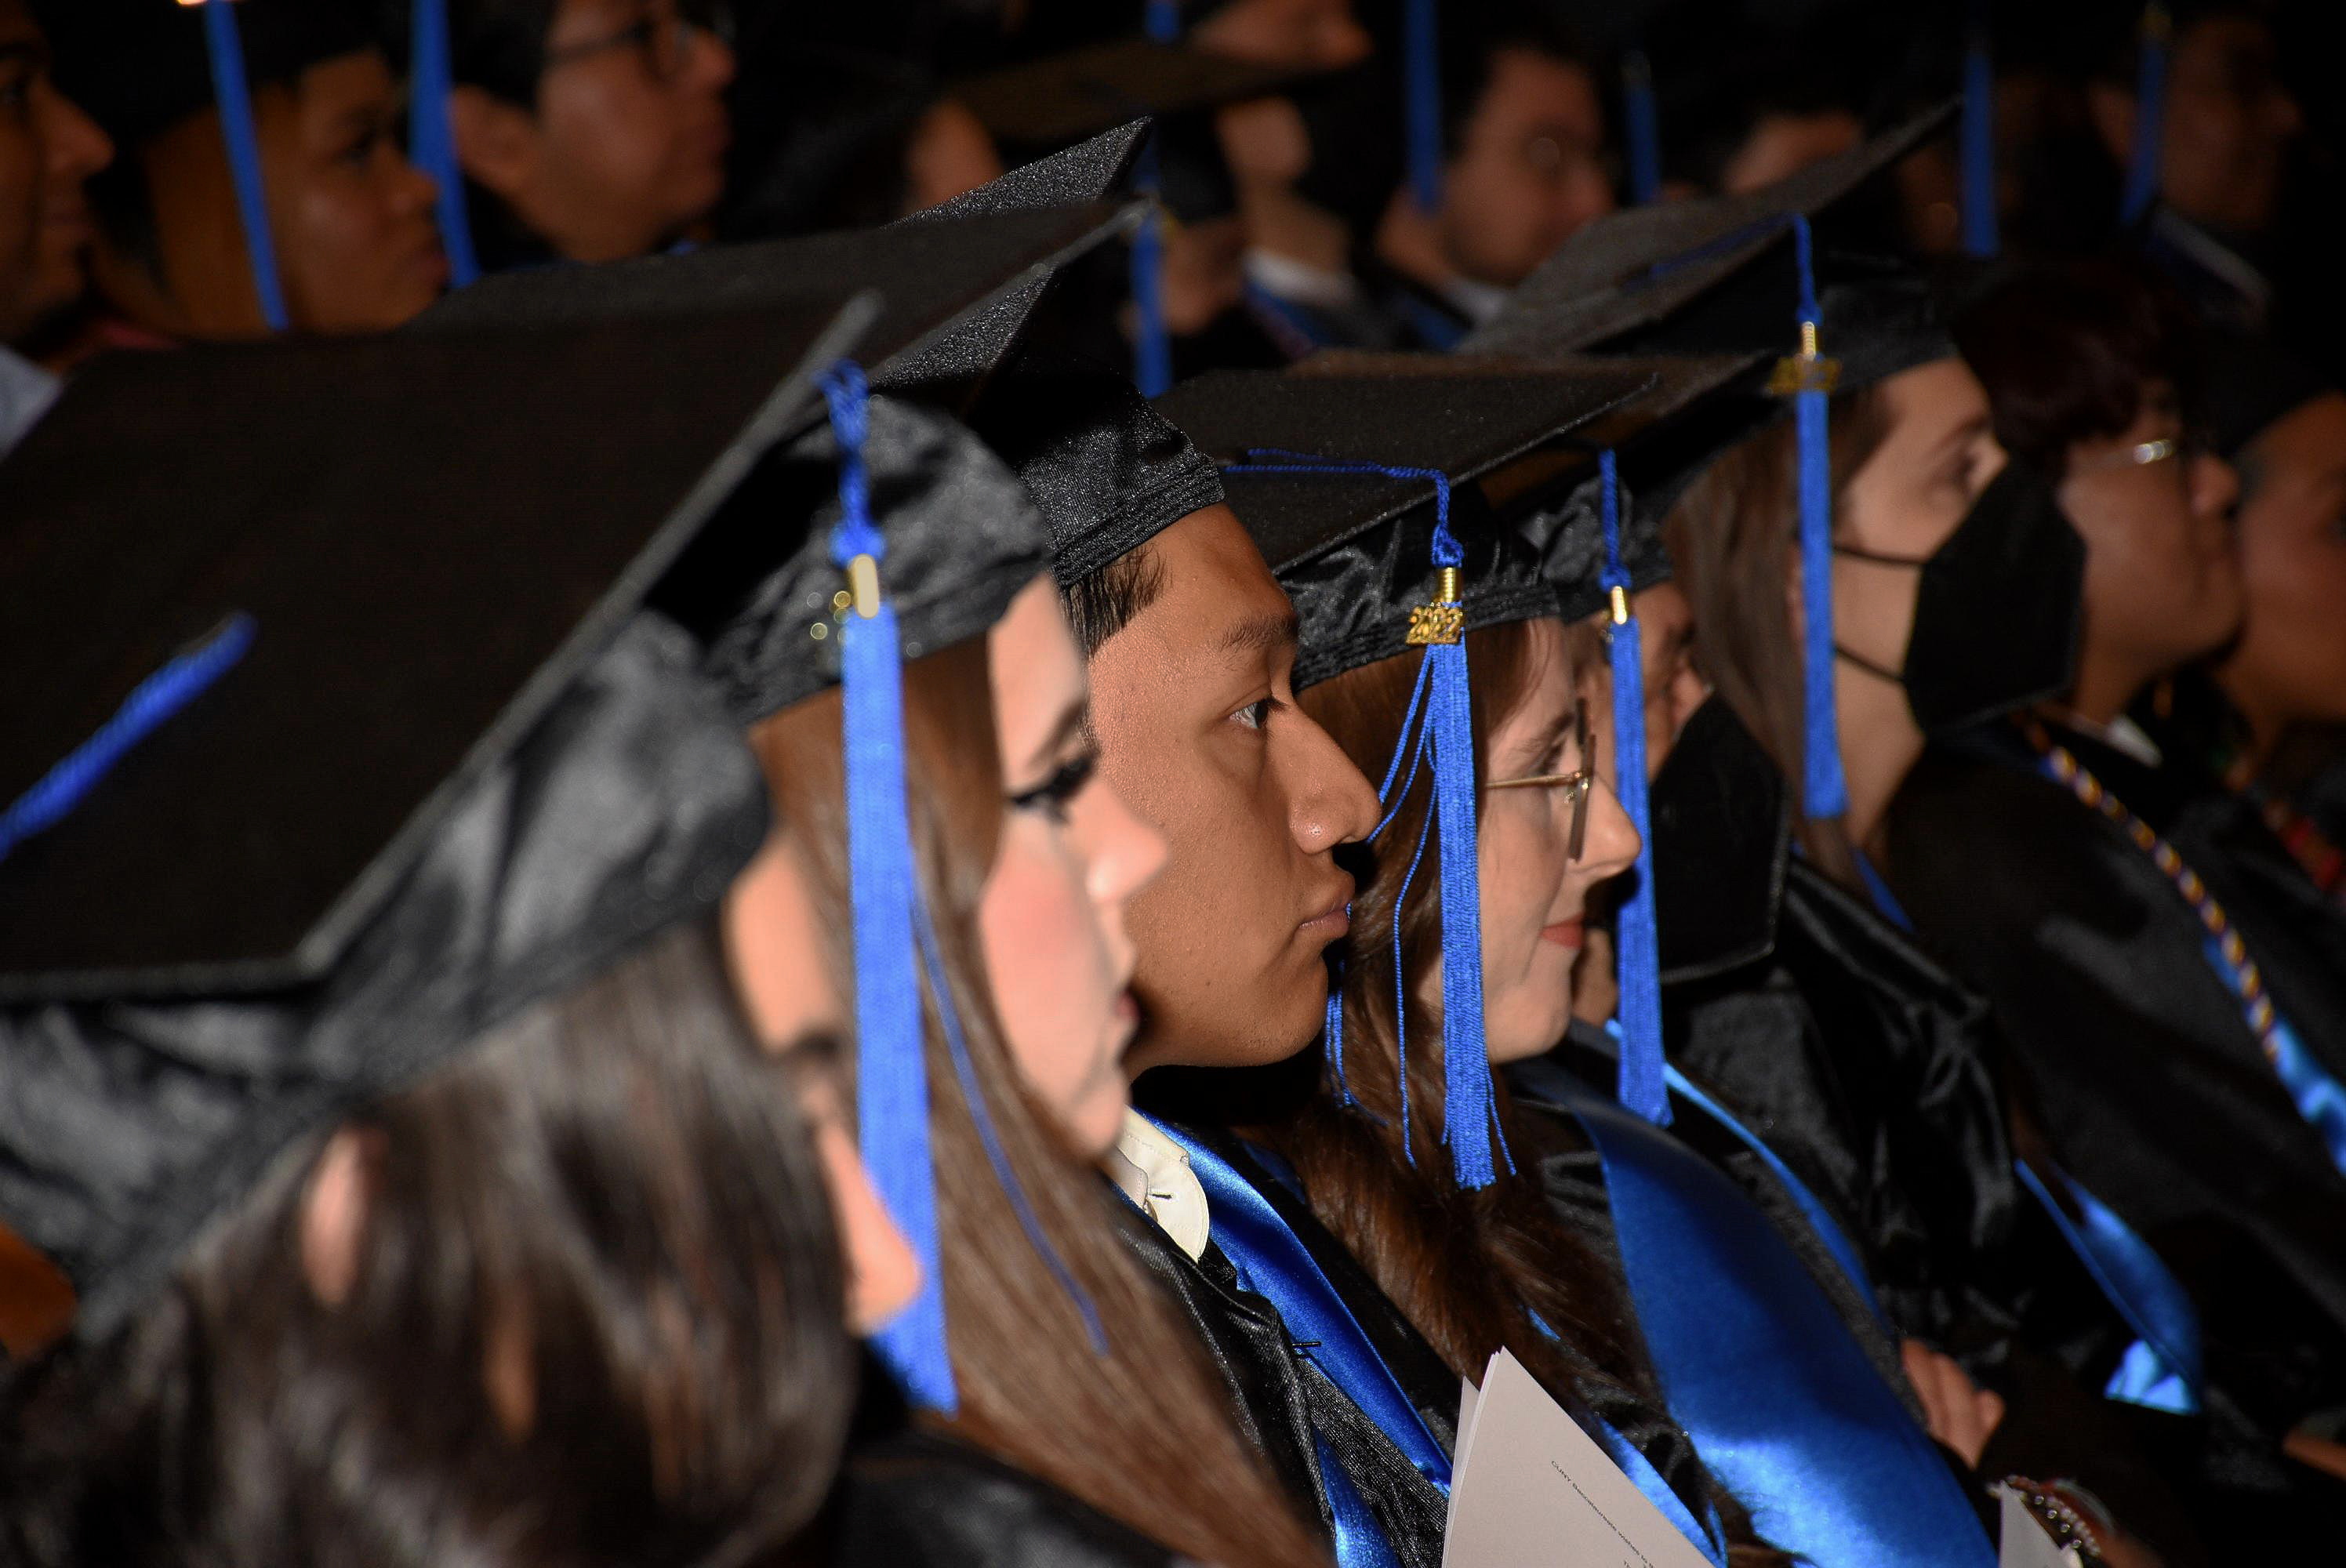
x=915 y=1499
x=1283 y=1400
x=2154 y=1092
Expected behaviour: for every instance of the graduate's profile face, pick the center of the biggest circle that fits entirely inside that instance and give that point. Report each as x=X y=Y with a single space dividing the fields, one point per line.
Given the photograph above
x=1194 y=711
x=2162 y=580
x=49 y=148
x=1051 y=916
x=2229 y=121
x=775 y=953
x=1675 y=685
x=1318 y=35
x=2289 y=665
x=1534 y=893
x=1937 y=453
x=349 y=219
x=1529 y=169
x=624 y=149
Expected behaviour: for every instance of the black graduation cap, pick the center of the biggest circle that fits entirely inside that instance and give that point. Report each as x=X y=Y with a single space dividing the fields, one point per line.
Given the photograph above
x=1055 y=100
x=424 y=537
x=1109 y=472
x=1628 y=280
x=933 y=276
x=963 y=536
x=627 y=805
x=1416 y=412
x=2251 y=383
x=139 y=67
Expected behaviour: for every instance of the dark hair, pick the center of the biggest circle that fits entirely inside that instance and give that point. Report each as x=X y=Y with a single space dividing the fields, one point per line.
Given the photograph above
x=2069 y=351
x=1473 y=36
x=1103 y=603
x=1732 y=538
x=1474 y=1270
x=1143 y=1432
x=617 y=1184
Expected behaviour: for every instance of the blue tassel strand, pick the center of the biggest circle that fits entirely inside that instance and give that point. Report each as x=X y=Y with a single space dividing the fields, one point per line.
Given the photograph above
x=1163 y=21
x=170 y=689
x=2149 y=117
x=225 y=51
x=891 y=1090
x=1438 y=731
x=1826 y=791
x=1152 y=344
x=1977 y=136
x=432 y=135
x=1642 y=126
x=1421 y=79
x=1641 y=1086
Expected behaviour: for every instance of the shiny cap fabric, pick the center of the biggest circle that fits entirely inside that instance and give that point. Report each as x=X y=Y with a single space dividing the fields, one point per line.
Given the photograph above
x=963 y=539
x=1108 y=472
x=1633 y=271
x=130 y=1126
x=1353 y=549
x=404 y=633
x=139 y=67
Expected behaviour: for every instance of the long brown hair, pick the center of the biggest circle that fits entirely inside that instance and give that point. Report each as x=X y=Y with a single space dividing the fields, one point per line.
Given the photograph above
x=1474 y=1270
x=1732 y=538
x=1141 y=1432
x=616 y=1184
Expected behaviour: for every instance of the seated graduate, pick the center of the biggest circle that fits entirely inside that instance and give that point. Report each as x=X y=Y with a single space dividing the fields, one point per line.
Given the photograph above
x=2225 y=1160
x=589 y=131
x=1034 y=1337
x=1523 y=161
x=346 y=240
x=2284 y=676
x=427 y=1199
x=48 y=150
x=1189 y=644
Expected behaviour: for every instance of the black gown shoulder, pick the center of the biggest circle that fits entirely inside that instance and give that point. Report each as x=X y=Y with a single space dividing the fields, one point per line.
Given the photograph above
x=2155 y=1093
x=1285 y=1404
x=915 y=1499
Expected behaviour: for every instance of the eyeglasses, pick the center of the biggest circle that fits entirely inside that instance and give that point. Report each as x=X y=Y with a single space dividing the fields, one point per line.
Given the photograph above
x=1577 y=783
x=2145 y=454
x=665 y=43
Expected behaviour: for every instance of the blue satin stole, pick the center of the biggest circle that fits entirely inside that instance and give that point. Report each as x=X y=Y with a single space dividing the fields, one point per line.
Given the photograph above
x=1272 y=1262
x=1780 y=1400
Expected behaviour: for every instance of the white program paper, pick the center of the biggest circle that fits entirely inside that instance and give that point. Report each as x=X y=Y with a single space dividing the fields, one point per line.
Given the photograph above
x=1529 y=1489
x=2024 y=1542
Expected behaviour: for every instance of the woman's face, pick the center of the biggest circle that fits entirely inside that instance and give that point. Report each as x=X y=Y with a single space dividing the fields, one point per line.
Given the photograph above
x=1534 y=894
x=2162 y=582
x=1051 y=917
x=774 y=948
x=1937 y=455
x=349 y=219
x=2289 y=665
x=1675 y=687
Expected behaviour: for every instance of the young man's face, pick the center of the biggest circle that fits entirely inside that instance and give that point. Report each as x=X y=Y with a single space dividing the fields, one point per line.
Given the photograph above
x=1529 y=169
x=47 y=148
x=1199 y=732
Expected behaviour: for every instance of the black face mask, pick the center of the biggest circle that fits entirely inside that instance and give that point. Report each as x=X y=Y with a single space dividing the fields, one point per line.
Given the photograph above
x=1996 y=614
x=1722 y=829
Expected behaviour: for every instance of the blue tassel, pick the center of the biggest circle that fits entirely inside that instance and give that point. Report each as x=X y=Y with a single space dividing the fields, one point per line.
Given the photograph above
x=891 y=1090
x=1642 y=122
x=1446 y=740
x=2149 y=117
x=225 y=50
x=1421 y=76
x=432 y=137
x=1152 y=345
x=1978 y=139
x=1641 y=1087
x=178 y=683
x=1164 y=20
x=1826 y=791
